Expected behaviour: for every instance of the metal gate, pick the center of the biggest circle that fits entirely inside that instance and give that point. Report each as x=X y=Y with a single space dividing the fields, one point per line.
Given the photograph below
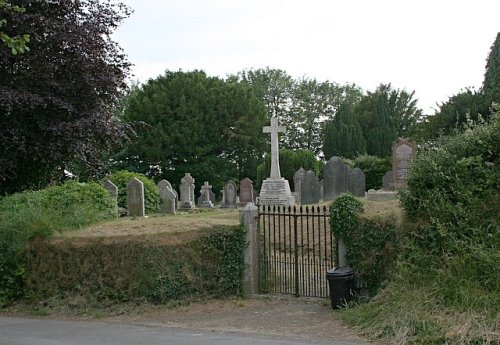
x=296 y=250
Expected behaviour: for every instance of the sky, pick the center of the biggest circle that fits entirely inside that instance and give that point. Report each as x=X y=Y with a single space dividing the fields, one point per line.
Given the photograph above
x=433 y=47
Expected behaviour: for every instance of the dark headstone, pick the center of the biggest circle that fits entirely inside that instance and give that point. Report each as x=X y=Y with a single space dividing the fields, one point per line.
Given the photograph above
x=310 y=189
x=298 y=179
x=358 y=183
x=336 y=177
x=246 y=192
x=388 y=181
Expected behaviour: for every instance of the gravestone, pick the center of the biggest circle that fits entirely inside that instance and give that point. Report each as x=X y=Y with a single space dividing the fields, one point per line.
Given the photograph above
x=113 y=191
x=403 y=153
x=246 y=192
x=186 y=189
x=135 y=198
x=298 y=179
x=336 y=178
x=310 y=189
x=205 y=197
x=275 y=190
x=321 y=189
x=229 y=195
x=358 y=183
x=388 y=181
x=168 y=197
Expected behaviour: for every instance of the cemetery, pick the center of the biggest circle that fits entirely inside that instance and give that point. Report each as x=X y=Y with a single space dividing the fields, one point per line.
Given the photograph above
x=190 y=188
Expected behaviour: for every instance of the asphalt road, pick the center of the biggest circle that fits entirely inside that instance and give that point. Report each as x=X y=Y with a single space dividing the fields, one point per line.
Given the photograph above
x=23 y=331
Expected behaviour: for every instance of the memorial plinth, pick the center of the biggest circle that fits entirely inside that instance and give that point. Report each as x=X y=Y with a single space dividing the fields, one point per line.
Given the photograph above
x=275 y=190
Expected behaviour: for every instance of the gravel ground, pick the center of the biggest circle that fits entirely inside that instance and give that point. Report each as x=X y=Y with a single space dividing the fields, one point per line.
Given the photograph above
x=277 y=315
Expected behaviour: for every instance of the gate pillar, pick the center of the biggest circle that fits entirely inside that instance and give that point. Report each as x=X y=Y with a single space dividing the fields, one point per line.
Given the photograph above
x=249 y=217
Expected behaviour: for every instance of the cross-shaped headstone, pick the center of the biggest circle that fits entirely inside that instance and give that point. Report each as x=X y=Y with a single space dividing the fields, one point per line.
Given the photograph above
x=274 y=129
x=206 y=188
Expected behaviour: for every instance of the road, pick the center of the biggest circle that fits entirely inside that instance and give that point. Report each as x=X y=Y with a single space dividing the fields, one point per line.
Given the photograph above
x=24 y=331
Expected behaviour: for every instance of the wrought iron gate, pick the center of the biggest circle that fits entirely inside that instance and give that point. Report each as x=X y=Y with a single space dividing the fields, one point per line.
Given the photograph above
x=296 y=250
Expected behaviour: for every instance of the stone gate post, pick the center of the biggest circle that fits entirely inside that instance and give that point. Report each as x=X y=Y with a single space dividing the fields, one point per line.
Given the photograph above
x=249 y=217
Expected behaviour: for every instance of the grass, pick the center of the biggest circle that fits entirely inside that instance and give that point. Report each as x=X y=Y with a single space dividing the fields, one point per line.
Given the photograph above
x=156 y=224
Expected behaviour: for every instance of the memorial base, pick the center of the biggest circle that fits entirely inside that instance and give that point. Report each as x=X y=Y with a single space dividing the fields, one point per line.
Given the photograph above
x=186 y=205
x=276 y=192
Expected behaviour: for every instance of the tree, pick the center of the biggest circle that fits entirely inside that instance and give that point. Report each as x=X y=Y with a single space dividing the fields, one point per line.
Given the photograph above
x=491 y=83
x=313 y=103
x=15 y=42
x=57 y=101
x=342 y=136
x=384 y=115
x=189 y=122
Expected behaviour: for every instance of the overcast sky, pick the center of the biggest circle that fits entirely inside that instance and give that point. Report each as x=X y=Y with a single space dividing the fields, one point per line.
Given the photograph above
x=434 y=47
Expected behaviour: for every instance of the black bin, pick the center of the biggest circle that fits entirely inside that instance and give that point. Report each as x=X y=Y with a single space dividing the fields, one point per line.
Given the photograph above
x=341 y=283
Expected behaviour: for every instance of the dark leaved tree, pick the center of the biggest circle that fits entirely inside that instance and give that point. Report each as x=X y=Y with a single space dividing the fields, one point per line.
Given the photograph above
x=57 y=100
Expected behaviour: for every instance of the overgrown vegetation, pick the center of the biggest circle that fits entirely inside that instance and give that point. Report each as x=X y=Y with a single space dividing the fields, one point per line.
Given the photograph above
x=372 y=242
x=373 y=167
x=151 y=193
x=27 y=215
x=446 y=289
x=151 y=268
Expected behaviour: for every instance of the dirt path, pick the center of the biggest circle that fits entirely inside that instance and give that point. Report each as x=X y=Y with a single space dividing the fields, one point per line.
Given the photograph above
x=286 y=316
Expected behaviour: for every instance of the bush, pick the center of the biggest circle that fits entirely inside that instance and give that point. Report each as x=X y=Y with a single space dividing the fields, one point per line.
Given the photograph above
x=151 y=193
x=153 y=268
x=30 y=214
x=372 y=244
x=374 y=168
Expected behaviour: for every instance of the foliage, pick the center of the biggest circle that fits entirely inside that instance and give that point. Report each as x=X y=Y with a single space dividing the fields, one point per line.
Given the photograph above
x=445 y=287
x=57 y=102
x=342 y=136
x=302 y=105
x=290 y=162
x=373 y=167
x=209 y=264
x=151 y=193
x=187 y=120
x=384 y=115
x=30 y=214
x=344 y=215
x=491 y=83
x=17 y=43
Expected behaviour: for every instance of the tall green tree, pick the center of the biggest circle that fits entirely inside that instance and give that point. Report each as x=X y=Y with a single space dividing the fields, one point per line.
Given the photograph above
x=314 y=103
x=342 y=136
x=189 y=122
x=491 y=83
x=57 y=101
x=386 y=114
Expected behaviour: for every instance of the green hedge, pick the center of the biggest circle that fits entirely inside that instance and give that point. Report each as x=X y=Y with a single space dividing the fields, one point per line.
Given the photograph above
x=30 y=214
x=151 y=193
x=372 y=244
x=154 y=268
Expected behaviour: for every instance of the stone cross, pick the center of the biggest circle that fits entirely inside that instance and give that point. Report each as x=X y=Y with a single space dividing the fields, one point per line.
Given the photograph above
x=205 y=189
x=274 y=129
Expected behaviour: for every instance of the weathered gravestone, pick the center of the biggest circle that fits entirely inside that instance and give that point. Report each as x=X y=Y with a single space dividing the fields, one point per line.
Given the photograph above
x=388 y=181
x=168 y=197
x=357 y=182
x=186 y=189
x=135 y=198
x=403 y=153
x=229 y=195
x=336 y=178
x=321 y=189
x=246 y=192
x=205 y=197
x=113 y=191
x=298 y=179
x=310 y=189
x=275 y=190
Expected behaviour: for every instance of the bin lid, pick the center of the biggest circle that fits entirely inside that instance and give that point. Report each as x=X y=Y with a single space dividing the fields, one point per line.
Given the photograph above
x=340 y=272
